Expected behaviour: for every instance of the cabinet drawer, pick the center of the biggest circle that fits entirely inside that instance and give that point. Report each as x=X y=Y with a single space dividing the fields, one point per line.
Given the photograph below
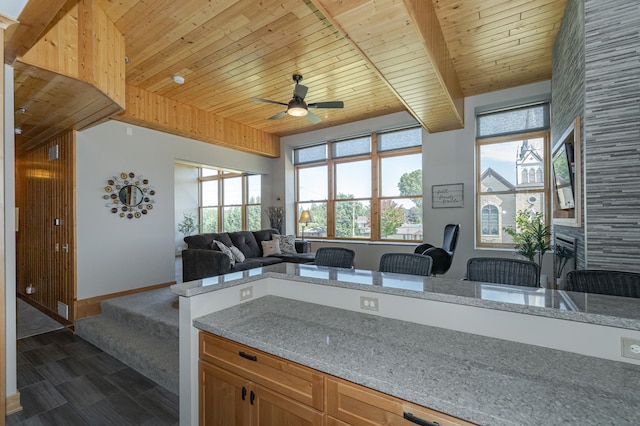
x=290 y=379
x=359 y=406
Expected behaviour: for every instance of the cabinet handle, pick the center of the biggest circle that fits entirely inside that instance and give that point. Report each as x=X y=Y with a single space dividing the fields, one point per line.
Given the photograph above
x=247 y=356
x=252 y=397
x=418 y=420
x=244 y=393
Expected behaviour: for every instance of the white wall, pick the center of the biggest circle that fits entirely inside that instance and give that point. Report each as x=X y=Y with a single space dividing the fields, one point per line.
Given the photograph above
x=10 y=236
x=115 y=254
x=12 y=9
x=448 y=157
x=186 y=198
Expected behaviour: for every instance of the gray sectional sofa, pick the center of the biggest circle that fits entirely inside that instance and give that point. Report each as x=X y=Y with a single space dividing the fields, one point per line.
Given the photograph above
x=202 y=258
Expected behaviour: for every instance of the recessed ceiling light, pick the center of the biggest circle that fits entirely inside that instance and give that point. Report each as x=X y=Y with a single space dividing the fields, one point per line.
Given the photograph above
x=178 y=79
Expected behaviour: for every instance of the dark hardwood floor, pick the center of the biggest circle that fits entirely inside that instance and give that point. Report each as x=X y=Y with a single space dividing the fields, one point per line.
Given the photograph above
x=64 y=380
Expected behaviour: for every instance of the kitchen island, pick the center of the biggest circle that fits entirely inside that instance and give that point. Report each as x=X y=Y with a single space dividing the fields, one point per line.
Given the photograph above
x=457 y=347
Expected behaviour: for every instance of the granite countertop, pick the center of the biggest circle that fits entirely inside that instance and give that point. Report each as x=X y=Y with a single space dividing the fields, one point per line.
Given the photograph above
x=620 y=312
x=479 y=379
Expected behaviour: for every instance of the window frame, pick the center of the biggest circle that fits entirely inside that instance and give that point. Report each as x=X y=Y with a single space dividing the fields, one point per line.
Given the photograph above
x=331 y=163
x=545 y=135
x=219 y=177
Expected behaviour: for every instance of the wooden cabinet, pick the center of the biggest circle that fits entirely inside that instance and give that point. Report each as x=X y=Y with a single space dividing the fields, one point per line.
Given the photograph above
x=242 y=386
x=351 y=404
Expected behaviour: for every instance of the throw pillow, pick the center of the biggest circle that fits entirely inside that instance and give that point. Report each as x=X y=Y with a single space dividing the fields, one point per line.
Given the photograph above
x=287 y=243
x=269 y=248
x=226 y=250
x=237 y=254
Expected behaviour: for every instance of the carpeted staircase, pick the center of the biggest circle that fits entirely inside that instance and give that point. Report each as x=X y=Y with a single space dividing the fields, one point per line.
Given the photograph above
x=141 y=330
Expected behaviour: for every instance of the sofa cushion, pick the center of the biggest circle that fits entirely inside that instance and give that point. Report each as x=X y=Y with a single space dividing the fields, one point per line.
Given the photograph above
x=264 y=235
x=287 y=243
x=226 y=250
x=247 y=264
x=297 y=258
x=264 y=261
x=203 y=241
x=246 y=242
x=237 y=254
x=270 y=248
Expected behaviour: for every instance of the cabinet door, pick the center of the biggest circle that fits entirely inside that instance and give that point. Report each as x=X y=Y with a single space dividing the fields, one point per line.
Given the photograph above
x=359 y=406
x=288 y=378
x=224 y=397
x=273 y=409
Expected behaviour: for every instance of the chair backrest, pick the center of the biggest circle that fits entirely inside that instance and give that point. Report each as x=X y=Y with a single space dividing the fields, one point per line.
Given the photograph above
x=450 y=239
x=406 y=263
x=614 y=283
x=503 y=271
x=335 y=256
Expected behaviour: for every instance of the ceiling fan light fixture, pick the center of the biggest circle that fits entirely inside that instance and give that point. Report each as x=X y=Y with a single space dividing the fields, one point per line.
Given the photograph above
x=297 y=111
x=297 y=108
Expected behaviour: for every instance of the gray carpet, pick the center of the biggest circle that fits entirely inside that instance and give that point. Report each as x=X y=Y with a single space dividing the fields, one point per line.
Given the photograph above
x=140 y=330
x=31 y=322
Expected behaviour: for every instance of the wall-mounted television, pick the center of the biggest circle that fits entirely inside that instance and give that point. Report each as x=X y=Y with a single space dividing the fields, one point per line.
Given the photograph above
x=565 y=167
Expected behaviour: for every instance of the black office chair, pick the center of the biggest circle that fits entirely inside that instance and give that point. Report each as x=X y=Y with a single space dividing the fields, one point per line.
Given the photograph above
x=613 y=283
x=442 y=256
x=406 y=263
x=335 y=256
x=503 y=271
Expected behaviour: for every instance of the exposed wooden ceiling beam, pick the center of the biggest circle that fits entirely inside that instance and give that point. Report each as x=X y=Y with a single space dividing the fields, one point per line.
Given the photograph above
x=157 y=112
x=34 y=19
x=403 y=42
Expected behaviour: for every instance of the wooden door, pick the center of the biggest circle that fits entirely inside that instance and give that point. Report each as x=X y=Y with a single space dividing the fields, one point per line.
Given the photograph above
x=272 y=409
x=224 y=397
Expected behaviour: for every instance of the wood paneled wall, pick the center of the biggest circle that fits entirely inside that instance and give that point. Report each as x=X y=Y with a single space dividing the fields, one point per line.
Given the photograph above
x=73 y=77
x=166 y=115
x=45 y=191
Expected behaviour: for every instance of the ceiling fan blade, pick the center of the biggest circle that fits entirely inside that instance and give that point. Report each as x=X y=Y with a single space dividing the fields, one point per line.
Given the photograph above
x=313 y=118
x=332 y=104
x=300 y=91
x=278 y=115
x=267 y=101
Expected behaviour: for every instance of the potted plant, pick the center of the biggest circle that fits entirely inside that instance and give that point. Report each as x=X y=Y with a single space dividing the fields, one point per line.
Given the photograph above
x=531 y=237
x=563 y=255
x=188 y=224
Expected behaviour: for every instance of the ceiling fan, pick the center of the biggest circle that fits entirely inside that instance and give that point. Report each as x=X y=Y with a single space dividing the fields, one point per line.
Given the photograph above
x=297 y=107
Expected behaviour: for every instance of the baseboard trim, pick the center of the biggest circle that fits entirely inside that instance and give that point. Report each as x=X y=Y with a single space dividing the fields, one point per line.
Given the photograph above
x=45 y=310
x=91 y=306
x=12 y=404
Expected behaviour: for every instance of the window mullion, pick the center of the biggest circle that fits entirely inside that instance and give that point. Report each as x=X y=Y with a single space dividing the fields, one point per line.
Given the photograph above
x=331 y=205
x=375 y=189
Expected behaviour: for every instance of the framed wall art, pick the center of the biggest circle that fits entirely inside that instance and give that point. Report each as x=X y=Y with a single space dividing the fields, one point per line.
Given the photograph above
x=447 y=196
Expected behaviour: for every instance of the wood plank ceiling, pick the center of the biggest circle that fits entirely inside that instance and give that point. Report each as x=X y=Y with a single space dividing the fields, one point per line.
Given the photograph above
x=229 y=51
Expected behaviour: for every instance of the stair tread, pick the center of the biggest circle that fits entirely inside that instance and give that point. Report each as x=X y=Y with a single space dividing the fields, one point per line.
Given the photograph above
x=153 y=311
x=153 y=356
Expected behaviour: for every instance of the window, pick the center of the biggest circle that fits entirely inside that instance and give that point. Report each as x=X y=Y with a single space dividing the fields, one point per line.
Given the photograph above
x=512 y=168
x=229 y=201
x=490 y=220
x=347 y=183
